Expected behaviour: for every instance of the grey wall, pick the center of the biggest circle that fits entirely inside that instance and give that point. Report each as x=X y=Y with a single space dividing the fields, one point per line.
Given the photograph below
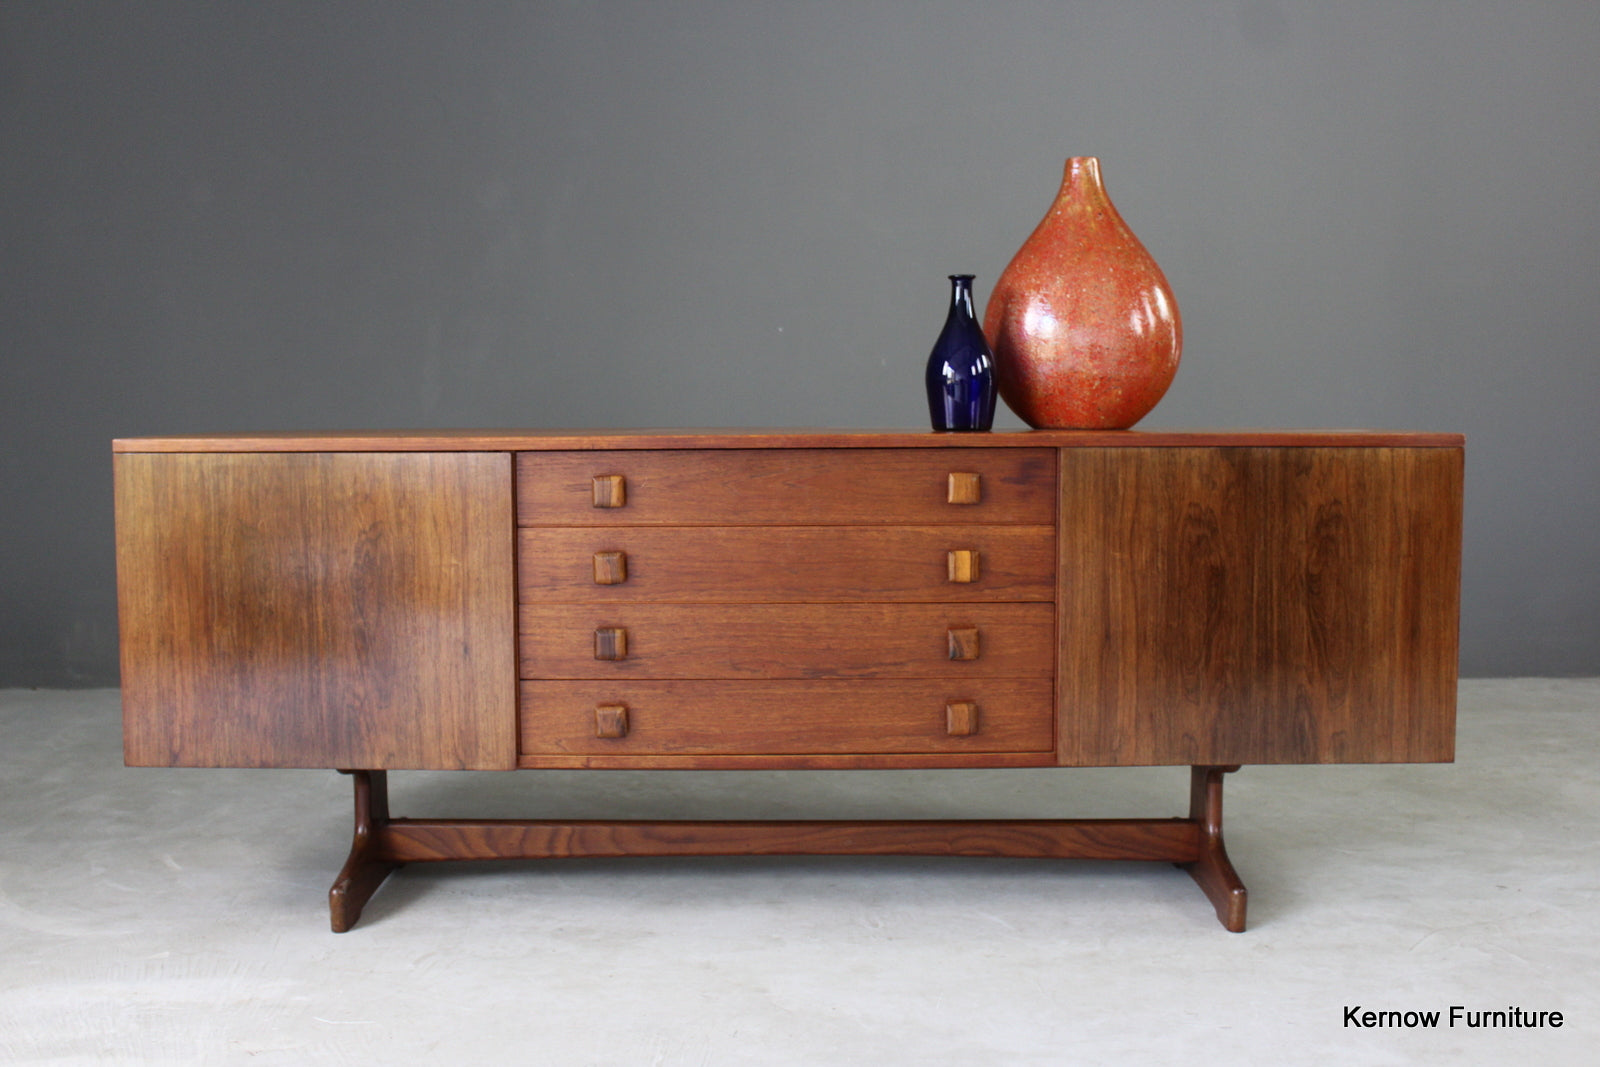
x=231 y=216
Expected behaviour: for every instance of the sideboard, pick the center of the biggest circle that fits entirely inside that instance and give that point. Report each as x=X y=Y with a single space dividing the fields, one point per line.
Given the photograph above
x=371 y=602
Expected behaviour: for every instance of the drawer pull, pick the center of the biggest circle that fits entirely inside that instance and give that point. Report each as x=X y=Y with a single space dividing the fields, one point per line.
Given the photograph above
x=961 y=718
x=965 y=488
x=611 y=643
x=610 y=490
x=611 y=720
x=963 y=642
x=610 y=568
x=963 y=565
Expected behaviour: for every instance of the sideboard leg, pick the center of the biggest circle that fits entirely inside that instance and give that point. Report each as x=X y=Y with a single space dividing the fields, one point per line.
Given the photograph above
x=366 y=867
x=382 y=844
x=1212 y=871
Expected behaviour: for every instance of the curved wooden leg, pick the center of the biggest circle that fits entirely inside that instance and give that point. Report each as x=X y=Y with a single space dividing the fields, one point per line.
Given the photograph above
x=1212 y=871
x=365 y=869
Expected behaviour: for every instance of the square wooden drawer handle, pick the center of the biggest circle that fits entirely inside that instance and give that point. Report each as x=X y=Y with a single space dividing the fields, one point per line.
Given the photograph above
x=610 y=568
x=961 y=718
x=963 y=565
x=965 y=489
x=611 y=643
x=610 y=490
x=611 y=720
x=963 y=642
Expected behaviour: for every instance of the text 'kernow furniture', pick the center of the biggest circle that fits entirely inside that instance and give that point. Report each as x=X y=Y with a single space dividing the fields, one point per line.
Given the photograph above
x=504 y=600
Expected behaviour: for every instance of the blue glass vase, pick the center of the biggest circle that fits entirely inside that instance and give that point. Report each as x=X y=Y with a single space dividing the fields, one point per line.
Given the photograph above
x=960 y=378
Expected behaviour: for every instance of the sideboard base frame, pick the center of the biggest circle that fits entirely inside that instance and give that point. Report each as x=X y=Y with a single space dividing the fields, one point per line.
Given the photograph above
x=382 y=844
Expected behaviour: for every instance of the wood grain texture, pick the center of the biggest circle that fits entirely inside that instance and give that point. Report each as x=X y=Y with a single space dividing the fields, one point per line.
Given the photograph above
x=789 y=640
x=313 y=610
x=784 y=717
x=1249 y=605
x=512 y=440
x=786 y=564
x=1151 y=840
x=809 y=487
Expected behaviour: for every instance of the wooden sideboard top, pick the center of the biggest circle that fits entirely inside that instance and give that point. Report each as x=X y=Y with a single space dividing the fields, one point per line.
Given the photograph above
x=577 y=440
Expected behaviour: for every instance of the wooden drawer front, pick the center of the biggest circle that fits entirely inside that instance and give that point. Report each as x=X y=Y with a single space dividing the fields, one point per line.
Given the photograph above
x=787 y=640
x=778 y=564
x=750 y=487
x=784 y=717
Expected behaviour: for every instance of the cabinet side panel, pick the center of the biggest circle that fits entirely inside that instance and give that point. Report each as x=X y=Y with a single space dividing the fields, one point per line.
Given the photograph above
x=1259 y=605
x=317 y=610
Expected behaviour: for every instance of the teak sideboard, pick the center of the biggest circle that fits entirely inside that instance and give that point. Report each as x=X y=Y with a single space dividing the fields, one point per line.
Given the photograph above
x=787 y=599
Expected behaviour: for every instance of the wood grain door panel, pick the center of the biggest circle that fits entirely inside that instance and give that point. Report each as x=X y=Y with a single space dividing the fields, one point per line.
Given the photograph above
x=317 y=610
x=1257 y=605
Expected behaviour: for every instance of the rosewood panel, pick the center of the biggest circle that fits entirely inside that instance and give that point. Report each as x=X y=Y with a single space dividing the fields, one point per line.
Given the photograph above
x=778 y=717
x=1250 y=605
x=811 y=487
x=787 y=640
x=678 y=564
x=317 y=610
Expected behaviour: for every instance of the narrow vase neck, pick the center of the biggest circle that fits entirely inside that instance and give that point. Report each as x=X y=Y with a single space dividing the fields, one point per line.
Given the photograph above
x=961 y=295
x=1082 y=201
x=1081 y=179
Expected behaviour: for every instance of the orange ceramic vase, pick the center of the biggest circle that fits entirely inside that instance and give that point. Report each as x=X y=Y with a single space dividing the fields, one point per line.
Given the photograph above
x=1085 y=332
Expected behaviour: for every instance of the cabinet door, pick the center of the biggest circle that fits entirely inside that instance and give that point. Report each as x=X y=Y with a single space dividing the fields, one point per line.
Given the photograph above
x=1258 y=605
x=317 y=610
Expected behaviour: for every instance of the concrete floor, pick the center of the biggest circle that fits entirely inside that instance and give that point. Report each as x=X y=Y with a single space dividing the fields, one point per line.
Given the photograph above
x=179 y=916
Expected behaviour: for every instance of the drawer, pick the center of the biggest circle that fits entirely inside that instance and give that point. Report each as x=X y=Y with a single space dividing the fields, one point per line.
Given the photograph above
x=912 y=486
x=787 y=640
x=777 y=564
x=785 y=717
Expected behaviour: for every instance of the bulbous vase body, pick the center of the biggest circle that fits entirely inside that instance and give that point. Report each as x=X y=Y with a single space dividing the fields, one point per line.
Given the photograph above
x=960 y=375
x=1084 y=328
